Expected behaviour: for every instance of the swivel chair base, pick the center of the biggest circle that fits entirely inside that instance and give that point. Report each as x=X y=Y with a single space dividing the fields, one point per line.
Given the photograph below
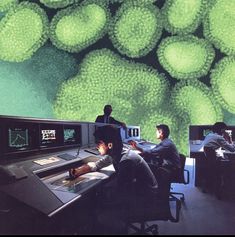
x=144 y=229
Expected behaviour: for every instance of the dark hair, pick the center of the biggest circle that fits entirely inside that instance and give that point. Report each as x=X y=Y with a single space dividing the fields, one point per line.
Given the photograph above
x=165 y=129
x=110 y=134
x=107 y=109
x=218 y=127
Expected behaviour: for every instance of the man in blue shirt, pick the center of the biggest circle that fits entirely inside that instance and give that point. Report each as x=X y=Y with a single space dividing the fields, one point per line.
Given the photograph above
x=165 y=155
x=166 y=150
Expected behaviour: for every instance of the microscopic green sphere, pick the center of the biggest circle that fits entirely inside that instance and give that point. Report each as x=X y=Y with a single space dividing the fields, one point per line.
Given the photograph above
x=183 y=16
x=185 y=57
x=23 y=30
x=136 y=29
x=58 y=3
x=166 y=116
x=124 y=1
x=5 y=5
x=194 y=100
x=74 y=29
x=223 y=83
x=148 y=124
x=105 y=78
x=219 y=25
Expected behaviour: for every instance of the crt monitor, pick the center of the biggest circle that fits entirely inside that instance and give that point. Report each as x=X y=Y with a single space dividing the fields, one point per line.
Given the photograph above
x=132 y=133
x=72 y=134
x=20 y=136
x=50 y=135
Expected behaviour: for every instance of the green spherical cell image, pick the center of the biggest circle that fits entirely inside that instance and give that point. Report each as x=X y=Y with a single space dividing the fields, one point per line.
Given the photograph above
x=74 y=29
x=185 y=57
x=136 y=28
x=223 y=83
x=58 y=3
x=165 y=115
x=1 y=15
x=124 y=1
x=219 y=25
x=148 y=124
x=5 y=5
x=229 y=118
x=106 y=78
x=183 y=16
x=23 y=30
x=194 y=101
x=29 y=88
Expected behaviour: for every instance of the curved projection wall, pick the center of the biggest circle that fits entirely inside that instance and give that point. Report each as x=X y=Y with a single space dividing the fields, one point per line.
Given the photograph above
x=155 y=61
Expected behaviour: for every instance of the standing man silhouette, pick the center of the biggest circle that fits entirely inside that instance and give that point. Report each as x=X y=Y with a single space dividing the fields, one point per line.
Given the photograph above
x=106 y=117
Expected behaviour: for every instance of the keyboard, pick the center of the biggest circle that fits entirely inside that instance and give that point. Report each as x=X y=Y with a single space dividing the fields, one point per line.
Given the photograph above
x=92 y=150
x=67 y=156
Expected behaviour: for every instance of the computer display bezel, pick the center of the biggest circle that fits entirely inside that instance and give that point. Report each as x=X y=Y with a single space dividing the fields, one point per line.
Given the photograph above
x=58 y=134
x=78 y=134
x=32 y=133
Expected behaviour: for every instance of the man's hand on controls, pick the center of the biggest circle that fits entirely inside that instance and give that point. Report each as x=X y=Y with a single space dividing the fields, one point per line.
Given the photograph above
x=133 y=144
x=76 y=172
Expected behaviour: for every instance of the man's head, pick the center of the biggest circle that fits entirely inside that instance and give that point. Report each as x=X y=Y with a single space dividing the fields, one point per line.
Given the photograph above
x=162 y=131
x=219 y=127
x=108 y=110
x=109 y=140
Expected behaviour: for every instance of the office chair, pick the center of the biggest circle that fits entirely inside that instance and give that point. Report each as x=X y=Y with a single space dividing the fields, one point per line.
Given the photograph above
x=160 y=210
x=180 y=177
x=155 y=209
x=216 y=171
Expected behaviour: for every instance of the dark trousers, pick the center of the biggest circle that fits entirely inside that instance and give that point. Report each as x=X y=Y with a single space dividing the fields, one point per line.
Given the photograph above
x=217 y=176
x=164 y=176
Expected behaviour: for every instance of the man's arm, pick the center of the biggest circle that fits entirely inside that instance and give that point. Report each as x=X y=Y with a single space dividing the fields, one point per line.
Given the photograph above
x=90 y=166
x=226 y=145
x=135 y=146
x=75 y=172
x=114 y=121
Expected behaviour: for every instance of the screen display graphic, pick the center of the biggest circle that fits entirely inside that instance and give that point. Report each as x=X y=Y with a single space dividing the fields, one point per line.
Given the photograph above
x=18 y=137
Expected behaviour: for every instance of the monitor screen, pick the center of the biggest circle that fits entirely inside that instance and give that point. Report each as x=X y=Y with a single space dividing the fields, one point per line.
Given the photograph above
x=49 y=135
x=18 y=138
x=72 y=135
x=133 y=132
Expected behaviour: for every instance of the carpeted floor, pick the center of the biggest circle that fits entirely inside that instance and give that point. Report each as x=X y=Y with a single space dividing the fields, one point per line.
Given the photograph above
x=201 y=213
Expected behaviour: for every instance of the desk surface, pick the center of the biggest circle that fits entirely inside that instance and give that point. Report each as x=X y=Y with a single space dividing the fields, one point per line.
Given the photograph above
x=47 y=188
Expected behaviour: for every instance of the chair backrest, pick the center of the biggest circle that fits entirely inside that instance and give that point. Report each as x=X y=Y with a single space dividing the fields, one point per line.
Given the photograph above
x=179 y=176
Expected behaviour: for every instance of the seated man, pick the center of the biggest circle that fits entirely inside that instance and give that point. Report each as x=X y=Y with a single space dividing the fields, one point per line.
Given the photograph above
x=135 y=182
x=219 y=138
x=166 y=150
x=166 y=154
x=106 y=118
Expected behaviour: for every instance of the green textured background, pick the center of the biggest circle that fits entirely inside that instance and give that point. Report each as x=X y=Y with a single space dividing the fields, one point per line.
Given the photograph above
x=55 y=83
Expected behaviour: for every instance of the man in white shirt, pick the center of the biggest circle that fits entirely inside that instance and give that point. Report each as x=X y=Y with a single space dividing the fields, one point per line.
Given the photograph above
x=213 y=142
x=219 y=138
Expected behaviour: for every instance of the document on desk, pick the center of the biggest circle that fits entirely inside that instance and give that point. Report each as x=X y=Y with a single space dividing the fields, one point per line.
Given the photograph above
x=62 y=182
x=46 y=161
